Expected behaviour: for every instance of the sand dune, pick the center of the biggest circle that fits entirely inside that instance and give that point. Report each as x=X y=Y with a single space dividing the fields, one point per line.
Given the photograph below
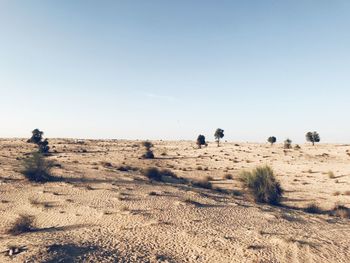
x=106 y=211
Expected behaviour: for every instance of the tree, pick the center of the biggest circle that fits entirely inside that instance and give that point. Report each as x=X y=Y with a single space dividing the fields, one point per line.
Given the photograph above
x=272 y=140
x=287 y=144
x=201 y=141
x=219 y=134
x=313 y=137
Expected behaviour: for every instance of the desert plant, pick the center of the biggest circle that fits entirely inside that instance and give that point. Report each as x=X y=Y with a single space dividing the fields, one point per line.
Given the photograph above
x=37 y=168
x=203 y=184
x=44 y=146
x=23 y=224
x=272 y=140
x=313 y=137
x=228 y=176
x=263 y=185
x=313 y=208
x=37 y=138
x=157 y=174
x=219 y=134
x=201 y=141
x=341 y=211
x=149 y=153
x=297 y=147
x=331 y=175
x=287 y=144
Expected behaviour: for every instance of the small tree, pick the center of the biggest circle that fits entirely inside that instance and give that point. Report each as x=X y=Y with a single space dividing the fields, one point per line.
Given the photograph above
x=313 y=137
x=219 y=134
x=272 y=140
x=287 y=144
x=201 y=141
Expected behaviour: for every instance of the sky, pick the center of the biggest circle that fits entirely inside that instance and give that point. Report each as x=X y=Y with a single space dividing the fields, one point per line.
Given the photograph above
x=161 y=69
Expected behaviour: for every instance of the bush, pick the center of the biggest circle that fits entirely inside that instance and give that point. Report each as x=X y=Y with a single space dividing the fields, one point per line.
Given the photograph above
x=156 y=174
x=272 y=140
x=149 y=153
x=22 y=225
x=228 y=176
x=313 y=209
x=263 y=185
x=148 y=145
x=201 y=141
x=203 y=184
x=287 y=144
x=37 y=168
x=37 y=138
x=331 y=175
x=341 y=211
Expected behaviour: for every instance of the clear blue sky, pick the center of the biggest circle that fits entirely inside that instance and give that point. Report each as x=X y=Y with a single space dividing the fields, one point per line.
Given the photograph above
x=174 y=69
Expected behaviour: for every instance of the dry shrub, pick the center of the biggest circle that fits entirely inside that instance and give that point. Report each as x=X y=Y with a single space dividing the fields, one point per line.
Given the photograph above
x=341 y=211
x=157 y=174
x=203 y=184
x=23 y=224
x=331 y=175
x=228 y=176
x=38 y=169
x=263 y=185
x=313 y=208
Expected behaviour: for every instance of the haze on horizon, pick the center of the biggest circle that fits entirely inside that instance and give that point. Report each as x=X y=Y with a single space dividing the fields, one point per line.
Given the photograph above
x=175 y=69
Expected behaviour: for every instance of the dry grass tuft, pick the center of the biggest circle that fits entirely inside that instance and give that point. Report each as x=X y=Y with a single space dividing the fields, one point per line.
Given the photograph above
x=331 y=175
x=263 y=185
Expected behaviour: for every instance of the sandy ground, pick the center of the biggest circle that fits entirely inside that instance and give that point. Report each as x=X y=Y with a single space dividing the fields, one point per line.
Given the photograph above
x=101 y=214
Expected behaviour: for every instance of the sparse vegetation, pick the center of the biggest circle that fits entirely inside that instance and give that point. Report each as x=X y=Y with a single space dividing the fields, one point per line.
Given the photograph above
x=219 y=134
x=37 y=138
x=287 y=144
x=272 y=140
x=203 y=184
x=313 y=137
x=156 y=174
x=201 y=141
x=263 y=185
x=22 y=225
x=341 y=211
x=149 y=153
x=228 y=176
x=331 y=175
x=38 y=169
x=313 y=208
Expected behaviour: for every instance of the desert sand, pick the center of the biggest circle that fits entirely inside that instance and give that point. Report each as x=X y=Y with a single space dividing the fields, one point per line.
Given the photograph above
x=102 y=212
